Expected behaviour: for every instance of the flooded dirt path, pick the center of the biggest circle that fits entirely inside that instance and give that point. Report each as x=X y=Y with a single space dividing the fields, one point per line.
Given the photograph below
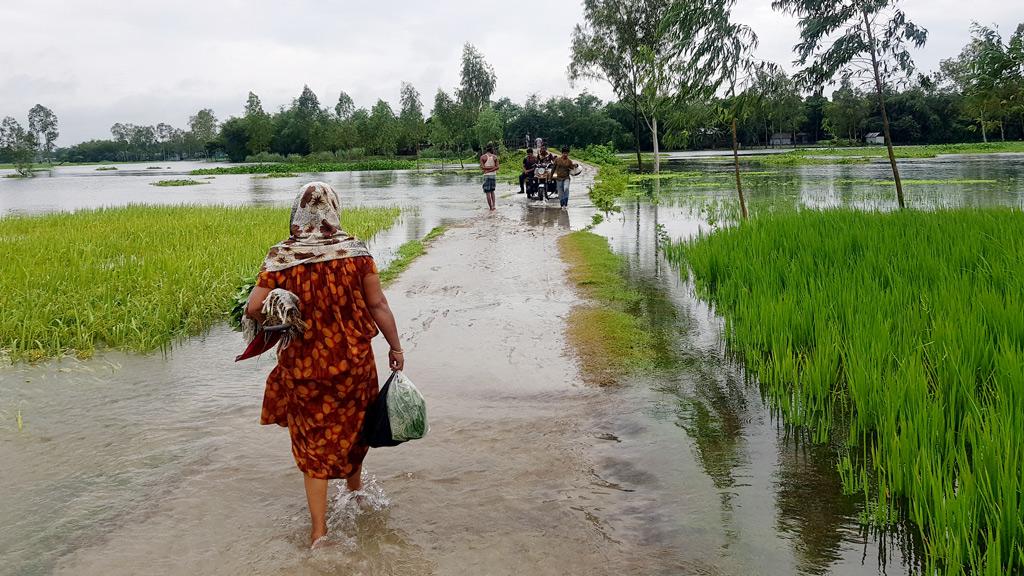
x=155 y=464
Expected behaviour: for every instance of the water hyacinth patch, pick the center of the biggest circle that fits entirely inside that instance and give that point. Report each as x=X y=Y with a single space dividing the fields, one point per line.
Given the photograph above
x=906 y=329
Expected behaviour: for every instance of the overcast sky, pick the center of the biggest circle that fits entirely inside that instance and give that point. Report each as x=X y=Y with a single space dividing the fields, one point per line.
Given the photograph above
x=99 y=62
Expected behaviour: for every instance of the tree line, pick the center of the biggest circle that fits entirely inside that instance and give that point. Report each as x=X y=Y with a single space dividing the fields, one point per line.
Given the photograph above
x=975 y=96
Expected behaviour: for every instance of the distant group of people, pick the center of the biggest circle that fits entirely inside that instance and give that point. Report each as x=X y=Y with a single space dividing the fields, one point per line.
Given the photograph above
x=562 y=168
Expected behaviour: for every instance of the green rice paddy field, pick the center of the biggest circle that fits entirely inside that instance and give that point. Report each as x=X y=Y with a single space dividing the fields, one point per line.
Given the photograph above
x=135 y=278
x=901 y=337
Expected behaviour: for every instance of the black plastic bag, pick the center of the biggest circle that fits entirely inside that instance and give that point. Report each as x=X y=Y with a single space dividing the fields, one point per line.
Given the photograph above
x=377 y=425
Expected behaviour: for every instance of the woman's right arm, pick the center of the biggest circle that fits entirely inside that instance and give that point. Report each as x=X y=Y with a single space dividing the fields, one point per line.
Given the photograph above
x=377 y=303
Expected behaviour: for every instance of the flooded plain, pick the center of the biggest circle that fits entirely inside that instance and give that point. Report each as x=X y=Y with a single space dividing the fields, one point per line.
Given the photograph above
x=156 y=463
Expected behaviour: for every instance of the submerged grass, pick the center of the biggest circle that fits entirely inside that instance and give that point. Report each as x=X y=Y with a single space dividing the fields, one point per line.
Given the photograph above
x=901 y=332
x=277 y=175
x=308 y=167
x=178 y=182
x=407 y=253
x=925 y=151
x=913 y=182
x=134 y=278
x=610 y=338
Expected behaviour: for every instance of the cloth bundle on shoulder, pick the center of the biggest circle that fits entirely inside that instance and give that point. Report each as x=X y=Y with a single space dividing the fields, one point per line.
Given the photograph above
x=282 y=323
x=397 y=415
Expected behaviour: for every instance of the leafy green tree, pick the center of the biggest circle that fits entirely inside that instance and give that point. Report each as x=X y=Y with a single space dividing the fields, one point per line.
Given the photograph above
x=663 y=51
x=234 y=137
x=477 y=81
x=42 y=122
x=846 y=113
x=412 y=131
x=984 y=74
x=442 y=120
x=259 y=128
x=383 y=129
x=836 y=37
x=202 y=129
x=608 y=47
x=18 y=145
x=345 y=107
x=488 y=129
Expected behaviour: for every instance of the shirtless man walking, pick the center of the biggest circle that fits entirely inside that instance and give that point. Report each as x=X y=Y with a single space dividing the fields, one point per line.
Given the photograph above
x=489 y=165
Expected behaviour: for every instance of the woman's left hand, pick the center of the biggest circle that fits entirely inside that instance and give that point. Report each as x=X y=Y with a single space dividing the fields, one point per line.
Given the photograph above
x=396 y=360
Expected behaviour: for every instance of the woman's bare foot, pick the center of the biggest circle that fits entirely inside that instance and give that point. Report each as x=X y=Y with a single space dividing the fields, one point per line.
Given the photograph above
x=316 y=537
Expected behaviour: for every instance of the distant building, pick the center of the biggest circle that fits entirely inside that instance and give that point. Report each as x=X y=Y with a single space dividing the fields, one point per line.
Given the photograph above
x=874 y=138
x=782 y=139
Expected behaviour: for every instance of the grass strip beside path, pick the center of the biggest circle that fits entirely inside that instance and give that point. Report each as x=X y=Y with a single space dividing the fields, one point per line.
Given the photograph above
x=135 y=278
x=608 y=338
x=406 y=254
x=901 y=334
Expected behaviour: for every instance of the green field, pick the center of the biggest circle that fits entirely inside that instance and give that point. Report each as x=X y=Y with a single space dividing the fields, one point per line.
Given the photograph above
x=134 y=278
x=901 y=336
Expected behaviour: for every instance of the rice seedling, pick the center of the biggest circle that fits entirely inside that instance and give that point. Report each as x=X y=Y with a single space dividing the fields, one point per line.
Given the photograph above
x=179 y=182
x=901 y=334
x=135 y=278
x=308 y=167
x=106 y=168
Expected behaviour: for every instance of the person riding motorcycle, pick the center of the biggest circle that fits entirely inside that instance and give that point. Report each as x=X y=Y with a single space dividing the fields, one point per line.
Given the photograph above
x=528 y=165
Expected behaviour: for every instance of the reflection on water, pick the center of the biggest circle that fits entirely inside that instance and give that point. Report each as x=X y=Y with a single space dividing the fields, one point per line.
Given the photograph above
x=745 y=452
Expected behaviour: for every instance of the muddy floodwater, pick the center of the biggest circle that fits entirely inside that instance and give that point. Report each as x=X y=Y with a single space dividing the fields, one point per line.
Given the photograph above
x=156 y=464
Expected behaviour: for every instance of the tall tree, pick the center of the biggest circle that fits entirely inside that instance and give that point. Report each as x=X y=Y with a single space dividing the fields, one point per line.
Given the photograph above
x=846 y=113
x=345 y=106
x=477 y=81
x=383 y=130
x=42 y=122
x=412 y=131
x=442 y=119
x=202 y=128
x=258 y=126
x=607 y=48
x=666 y=51
x=18 y=144
x=488 y=129
x=739 y=42
x=856 y=38
x=983 y=72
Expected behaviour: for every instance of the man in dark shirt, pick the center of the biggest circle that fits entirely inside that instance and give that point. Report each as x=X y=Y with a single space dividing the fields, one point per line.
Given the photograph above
x=528 y=163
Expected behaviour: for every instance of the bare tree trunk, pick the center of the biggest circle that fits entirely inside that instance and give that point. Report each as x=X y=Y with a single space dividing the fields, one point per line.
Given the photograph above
x=654 y=139
x=984 y=134
x=1002 y=131
x=636 y=137
x=736 y=164
x=885 y=116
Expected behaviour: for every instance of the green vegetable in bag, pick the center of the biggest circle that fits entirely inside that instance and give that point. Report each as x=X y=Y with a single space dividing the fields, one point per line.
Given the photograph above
x=407 y=410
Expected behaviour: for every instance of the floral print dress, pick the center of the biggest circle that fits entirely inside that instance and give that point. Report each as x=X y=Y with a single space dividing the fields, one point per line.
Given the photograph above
x=324 y=382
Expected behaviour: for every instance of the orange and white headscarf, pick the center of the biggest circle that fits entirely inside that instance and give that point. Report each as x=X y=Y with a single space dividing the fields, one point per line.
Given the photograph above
x=316 y=233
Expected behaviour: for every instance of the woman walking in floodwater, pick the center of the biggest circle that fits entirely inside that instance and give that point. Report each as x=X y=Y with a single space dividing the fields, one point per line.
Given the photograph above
x=324 y=382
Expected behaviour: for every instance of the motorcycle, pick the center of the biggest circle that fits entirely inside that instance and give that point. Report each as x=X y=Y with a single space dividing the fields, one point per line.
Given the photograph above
x=541 y=183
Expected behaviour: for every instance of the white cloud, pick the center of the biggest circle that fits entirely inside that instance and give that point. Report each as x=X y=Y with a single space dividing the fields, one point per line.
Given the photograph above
x=95 y=63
